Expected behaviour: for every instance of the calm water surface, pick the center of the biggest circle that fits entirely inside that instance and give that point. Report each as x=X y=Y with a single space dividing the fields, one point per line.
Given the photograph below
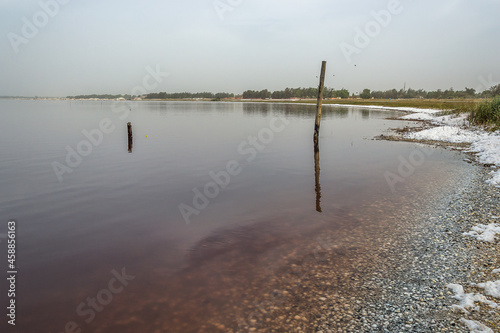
x=118 y=211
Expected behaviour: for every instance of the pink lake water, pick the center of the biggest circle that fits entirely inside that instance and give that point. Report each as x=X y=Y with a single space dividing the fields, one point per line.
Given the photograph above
x=118 y=212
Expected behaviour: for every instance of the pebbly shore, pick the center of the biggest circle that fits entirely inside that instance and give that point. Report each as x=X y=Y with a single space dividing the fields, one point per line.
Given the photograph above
x=392 y=276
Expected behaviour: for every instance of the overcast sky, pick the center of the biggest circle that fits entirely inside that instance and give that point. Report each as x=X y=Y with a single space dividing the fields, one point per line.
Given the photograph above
x=106 y=46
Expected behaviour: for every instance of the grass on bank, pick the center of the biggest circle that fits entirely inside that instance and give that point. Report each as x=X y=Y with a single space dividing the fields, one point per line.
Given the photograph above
x=413 y=103
x=487 y=113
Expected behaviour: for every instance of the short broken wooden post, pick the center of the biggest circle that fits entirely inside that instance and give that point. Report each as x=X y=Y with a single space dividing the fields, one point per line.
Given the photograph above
x=320 y=103
x=130 y=137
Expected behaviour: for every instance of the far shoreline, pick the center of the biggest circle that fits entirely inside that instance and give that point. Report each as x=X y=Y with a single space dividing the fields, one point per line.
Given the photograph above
x=396 y=104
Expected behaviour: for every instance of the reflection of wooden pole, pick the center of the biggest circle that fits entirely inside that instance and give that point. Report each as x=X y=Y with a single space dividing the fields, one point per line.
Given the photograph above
x=320 y=102
x=130 y=137
x=316 y=178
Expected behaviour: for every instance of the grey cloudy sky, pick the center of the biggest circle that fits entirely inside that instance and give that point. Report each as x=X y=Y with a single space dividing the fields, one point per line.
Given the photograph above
x=105 y=46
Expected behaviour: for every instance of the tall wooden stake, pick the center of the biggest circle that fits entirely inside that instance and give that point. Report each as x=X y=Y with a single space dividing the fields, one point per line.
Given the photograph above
x=320 y=103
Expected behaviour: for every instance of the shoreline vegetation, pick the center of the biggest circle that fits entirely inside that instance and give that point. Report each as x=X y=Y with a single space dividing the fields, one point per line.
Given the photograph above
x=487 y=114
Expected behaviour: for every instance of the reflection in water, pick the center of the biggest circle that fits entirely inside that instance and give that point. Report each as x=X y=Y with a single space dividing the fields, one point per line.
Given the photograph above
x=342 y=112
x=293 y=110
x=256 y=108
x=316 y=177
x=305 y=111
x=130 y=137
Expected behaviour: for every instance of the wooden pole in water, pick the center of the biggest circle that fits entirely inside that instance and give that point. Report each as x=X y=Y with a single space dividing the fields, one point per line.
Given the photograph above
x=130 y=137
x=320 y=102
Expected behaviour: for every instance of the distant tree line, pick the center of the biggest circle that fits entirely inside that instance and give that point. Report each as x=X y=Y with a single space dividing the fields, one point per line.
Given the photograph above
x=182 y=95
x=438 y=94
x=313 y=93
x=252 y=94
x=295 y=93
